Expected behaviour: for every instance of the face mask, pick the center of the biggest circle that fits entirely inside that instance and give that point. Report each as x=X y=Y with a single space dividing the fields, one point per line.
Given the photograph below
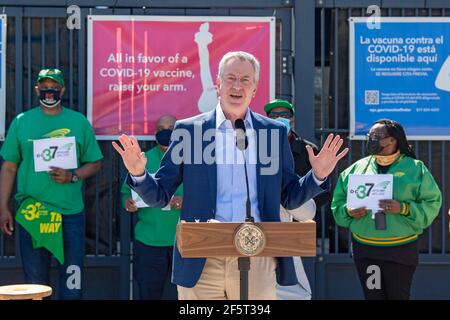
x=163 y=137
x=373 y=146
x=286 y=122
x=50 y=97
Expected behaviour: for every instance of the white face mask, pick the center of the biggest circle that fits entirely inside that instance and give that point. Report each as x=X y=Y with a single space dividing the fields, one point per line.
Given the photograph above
x=286 y=122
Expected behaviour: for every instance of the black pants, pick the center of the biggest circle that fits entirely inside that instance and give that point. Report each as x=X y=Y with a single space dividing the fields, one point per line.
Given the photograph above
x=394 y=282
x=152 y=270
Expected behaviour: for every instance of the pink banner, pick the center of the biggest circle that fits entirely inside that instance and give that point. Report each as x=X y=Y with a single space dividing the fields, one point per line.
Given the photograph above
x=141 y=69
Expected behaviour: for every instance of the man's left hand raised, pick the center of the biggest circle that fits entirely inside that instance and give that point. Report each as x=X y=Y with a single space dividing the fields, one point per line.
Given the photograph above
x=325 y=161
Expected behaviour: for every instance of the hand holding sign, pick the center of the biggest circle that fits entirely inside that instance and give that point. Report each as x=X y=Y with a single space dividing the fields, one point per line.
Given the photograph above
x=390 y=206
x=357 y=213
x=60 y=175
x=176 y=202
x=130 y=205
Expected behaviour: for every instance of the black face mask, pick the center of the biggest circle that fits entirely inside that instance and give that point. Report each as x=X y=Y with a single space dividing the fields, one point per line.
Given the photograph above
x=163 y=137
x=373 y=146
x=50 y=97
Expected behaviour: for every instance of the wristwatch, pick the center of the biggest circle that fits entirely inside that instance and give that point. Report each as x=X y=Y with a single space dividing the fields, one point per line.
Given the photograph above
x=74 y=178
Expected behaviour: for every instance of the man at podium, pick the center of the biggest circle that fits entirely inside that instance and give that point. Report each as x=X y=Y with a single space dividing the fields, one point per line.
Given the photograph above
x=215 y=170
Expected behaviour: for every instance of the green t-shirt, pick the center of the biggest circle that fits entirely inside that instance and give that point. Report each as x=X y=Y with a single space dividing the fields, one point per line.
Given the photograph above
x=155 y=227
x=18 y=148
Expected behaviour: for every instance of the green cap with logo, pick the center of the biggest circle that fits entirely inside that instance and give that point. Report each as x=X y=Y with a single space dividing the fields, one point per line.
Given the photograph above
x=54 y=74
x=278 y=103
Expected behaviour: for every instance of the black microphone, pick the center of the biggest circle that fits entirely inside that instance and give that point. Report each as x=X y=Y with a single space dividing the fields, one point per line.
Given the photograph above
x=241 y=137
x=242 y=144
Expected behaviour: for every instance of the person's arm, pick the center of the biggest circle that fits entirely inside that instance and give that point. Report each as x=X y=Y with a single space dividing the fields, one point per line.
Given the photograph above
x=306 y=211
x=296 y=190
x=155 y=190
x=339 y=203
x=305 y=166
x=88 y=169
x=12 y=156
x=425 y=208
x=324 y=197
x=325 y=161
x=7 y=179
x=85 y=171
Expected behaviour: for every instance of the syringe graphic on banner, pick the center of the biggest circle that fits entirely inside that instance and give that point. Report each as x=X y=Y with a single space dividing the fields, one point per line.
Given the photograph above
x=443 y=78
x=208 y=99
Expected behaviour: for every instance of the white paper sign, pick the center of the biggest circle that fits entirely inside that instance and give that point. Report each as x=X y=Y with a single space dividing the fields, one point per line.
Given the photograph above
x=55 y=152
x=141 y=204
x=366 y=190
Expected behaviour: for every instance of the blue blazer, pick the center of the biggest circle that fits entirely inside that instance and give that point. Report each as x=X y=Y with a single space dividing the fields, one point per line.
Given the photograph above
x=284 y=187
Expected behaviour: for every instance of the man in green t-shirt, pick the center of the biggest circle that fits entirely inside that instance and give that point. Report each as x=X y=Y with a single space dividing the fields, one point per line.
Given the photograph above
x=40 y=143
x=154 y=233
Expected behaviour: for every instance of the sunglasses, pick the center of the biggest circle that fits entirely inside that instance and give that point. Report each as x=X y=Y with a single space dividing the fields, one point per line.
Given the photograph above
x=280 y=114
x=377 y=136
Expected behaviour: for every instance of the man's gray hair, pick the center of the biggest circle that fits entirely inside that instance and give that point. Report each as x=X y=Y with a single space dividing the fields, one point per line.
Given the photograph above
x=242 y=56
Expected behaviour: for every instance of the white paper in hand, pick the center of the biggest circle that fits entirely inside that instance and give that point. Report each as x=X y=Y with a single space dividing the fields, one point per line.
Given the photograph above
x=366 y=190
x=139 y=202
x=55 y=152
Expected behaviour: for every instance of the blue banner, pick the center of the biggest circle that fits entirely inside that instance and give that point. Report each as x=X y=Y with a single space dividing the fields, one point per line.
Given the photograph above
x=401 y=71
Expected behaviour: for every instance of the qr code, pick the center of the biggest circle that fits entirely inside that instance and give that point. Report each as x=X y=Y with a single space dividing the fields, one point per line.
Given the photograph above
x=372 y=97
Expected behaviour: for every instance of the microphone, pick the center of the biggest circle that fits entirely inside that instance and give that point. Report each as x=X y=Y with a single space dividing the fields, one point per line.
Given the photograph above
x=241 y=137
x=242 y=144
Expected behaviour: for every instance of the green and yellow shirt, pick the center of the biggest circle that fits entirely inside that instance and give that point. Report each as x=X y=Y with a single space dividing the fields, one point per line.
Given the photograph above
x=18 y=148
x=414 y=186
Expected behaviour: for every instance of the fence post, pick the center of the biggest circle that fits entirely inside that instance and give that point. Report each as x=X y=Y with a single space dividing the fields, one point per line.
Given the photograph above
x=304 y=47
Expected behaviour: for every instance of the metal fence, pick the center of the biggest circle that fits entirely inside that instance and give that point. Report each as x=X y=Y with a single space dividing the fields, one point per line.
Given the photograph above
x=312 y=71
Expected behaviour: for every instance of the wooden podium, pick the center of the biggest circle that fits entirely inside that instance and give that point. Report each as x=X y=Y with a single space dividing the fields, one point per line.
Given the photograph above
x=281 y=239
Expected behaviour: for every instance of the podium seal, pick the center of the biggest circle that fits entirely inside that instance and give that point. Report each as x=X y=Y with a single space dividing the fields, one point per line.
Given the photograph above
x=249 y=239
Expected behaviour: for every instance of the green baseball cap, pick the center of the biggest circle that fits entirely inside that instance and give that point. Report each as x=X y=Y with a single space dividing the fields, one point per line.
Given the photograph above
x=54 y=74
x=278 y=103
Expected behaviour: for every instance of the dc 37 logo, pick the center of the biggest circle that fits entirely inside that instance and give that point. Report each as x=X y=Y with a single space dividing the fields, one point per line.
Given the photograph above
x=51 y=152
x=364 y=190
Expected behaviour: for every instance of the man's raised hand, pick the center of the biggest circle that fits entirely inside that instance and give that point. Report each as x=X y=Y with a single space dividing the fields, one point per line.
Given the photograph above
x=133 y=158
x=325 y=161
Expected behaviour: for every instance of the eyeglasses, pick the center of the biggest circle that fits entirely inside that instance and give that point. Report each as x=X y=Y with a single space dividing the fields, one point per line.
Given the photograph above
x=376 y=136
x=244 y=81
x=280 y=114
x=56 y=88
